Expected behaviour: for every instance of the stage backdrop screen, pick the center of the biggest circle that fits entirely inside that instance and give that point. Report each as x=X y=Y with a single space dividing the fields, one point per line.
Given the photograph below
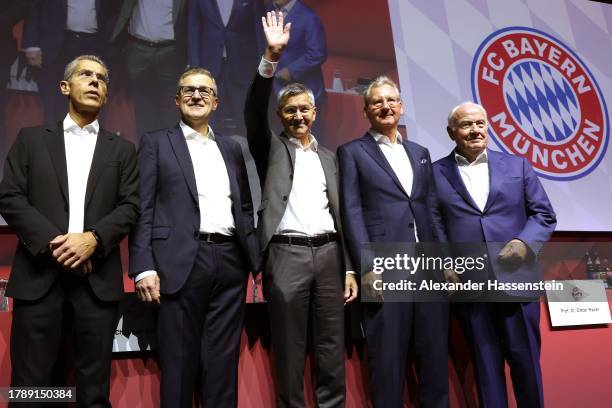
x=541 y=69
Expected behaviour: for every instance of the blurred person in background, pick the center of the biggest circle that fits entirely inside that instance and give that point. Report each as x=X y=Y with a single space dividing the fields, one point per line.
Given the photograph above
x=150 y=35
x=222 y=38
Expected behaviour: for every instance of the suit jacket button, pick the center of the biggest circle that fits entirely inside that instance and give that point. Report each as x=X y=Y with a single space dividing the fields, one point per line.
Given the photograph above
x=284 y=198
x=411 y=225
x=196 y=235
x=291 y=176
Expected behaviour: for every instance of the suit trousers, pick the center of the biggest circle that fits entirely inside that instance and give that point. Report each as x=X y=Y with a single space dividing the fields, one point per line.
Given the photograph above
x=153 y=73
x=391 y=329
x=305 y=285
x=37 y=333
x=499 y=332
x=199 y=330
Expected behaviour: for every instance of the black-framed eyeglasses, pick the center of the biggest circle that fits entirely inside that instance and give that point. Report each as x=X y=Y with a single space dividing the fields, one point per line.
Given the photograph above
x=189 y=91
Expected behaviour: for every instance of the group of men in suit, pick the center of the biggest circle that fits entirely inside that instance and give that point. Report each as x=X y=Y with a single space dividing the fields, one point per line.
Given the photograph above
x=71 y=192
x=150 y=42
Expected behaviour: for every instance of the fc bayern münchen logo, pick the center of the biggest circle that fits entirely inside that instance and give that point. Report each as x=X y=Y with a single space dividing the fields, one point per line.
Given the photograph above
x=542 y=101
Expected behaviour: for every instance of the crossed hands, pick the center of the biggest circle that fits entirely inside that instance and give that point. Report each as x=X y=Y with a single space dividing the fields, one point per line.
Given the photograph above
x=73 y=250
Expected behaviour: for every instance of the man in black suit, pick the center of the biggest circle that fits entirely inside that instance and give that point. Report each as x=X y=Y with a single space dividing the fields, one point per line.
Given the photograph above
x=70 y=193
x=55 y=32
x=300 y=231
x=195 y=244
x=152 y=39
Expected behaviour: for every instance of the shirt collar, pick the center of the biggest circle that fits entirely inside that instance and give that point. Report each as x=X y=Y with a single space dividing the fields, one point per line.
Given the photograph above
x=71 y=126
x=314 y=145
x=382 y=139
x=462 y=161
x=287 y=7
x=190 y=133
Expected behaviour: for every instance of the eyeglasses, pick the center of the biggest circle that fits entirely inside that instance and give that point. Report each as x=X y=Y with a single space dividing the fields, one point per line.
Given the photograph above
x=379 y=103
x=88 y=75
x=189 y=91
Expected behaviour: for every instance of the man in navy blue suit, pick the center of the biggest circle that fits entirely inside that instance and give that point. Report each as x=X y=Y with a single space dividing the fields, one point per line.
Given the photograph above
x=487 y=196
x=222 y=37
x=193 y=247
x=387 y=196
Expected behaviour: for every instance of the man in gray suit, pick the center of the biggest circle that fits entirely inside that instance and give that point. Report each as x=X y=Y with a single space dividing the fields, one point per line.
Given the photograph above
x=300 y=232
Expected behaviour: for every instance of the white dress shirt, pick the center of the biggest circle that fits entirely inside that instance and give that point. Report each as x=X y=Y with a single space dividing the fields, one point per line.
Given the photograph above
x=397 y=157
x=212 y=181
x=307 y=211
x=151 y=20
x=266 y=68
x=225 y=9
x=79 y=144
x=81 y=16
x=475 y=176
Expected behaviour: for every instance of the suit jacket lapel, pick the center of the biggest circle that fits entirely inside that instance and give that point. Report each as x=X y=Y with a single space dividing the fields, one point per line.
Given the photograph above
x=181 y=151
x=226 y=154
x=415 y=167
x=176 y=8
x=371 y=147
x=214 y=6
x=291 y=147
x=451 y=172
x=55 y=144
x=104 y=144
x=496 y=172
x=329 y=169
x=233 y=13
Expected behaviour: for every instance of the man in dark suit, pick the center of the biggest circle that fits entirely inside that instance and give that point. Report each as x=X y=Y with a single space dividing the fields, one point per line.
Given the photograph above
x=152 y=38
x=300 y=233
x=222 y=37
x=55 y=32
x=70 y=193
x=387 y=193
x=195 y=243
x=487 y=196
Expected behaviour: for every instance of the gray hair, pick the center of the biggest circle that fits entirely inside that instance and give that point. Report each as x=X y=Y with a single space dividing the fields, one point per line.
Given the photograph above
x=197 y=71
x=294 y=89
x=378 y=82
x=71 y=66
x=451 y=116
